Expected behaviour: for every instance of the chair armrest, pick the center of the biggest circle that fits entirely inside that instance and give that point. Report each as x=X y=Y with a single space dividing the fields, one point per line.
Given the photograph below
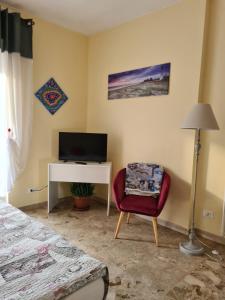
x=164 y=192
x=119 y=187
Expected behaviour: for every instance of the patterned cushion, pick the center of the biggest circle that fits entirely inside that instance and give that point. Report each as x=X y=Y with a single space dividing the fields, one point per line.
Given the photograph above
x=143 y=179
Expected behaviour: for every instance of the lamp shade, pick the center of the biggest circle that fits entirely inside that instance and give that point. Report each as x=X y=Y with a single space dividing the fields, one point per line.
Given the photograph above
x=200 y=117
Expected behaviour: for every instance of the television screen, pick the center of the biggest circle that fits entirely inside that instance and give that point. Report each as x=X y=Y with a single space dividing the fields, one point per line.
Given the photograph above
x=76 y=146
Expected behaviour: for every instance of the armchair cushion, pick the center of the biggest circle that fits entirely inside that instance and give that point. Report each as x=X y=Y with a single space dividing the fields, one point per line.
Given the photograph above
x=143 y=179
x=144 y=205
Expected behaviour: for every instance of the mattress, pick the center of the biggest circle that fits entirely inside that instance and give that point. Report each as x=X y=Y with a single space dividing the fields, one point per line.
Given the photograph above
x=38 y=264
x=92 y=291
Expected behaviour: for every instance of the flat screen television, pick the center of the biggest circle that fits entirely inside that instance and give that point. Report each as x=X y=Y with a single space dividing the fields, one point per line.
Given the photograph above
x=82 y=147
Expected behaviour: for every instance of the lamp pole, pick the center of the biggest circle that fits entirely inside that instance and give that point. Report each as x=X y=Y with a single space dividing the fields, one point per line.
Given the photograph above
x=201 y=117
x=191 y=246
x=195 y=174
x=197 y=149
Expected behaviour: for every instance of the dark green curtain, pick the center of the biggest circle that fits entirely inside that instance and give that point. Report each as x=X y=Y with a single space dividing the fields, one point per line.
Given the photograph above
x=15 y=33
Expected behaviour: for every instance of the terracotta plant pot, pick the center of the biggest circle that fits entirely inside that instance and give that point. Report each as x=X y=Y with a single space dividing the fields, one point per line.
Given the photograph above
x=81 y=203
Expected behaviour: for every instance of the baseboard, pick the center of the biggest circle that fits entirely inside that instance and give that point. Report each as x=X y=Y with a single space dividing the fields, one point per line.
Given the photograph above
x=172 y=226
x=200 y=232
x=178 y=228
x=167 y=224
x=45 y=204
x=35 y=206
x=210 y=236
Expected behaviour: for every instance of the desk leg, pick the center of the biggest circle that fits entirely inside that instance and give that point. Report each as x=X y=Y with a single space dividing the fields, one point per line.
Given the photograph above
x=52 y=195
x=109 y=197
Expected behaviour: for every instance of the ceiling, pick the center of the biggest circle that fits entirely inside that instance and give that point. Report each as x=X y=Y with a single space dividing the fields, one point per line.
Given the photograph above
x=89 y=16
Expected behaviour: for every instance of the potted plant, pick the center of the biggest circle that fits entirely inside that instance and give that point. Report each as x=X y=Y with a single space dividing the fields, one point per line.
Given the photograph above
x=81 y=193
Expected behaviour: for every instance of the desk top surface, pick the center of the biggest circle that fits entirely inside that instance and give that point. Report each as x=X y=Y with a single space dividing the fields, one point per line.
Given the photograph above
x=73 y=163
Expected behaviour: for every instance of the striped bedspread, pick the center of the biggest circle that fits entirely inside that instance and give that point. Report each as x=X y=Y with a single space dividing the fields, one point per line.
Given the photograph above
x=38 y=264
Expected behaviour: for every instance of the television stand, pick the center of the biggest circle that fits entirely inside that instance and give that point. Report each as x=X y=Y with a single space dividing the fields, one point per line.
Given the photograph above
x=76 y=172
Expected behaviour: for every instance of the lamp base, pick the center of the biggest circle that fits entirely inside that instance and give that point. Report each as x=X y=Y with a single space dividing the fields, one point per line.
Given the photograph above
x=191 y=247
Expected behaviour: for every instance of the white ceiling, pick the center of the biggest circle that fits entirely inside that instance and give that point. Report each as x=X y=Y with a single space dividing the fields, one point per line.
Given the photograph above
x=90 y=16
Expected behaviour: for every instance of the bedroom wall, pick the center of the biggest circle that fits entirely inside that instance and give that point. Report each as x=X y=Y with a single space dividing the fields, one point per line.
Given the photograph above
x=62 y=54
x=211 y=185
x=142 y=129
x=148 y=129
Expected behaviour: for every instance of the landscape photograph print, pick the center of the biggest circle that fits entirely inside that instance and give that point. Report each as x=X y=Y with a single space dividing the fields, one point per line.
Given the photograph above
x=149 y=81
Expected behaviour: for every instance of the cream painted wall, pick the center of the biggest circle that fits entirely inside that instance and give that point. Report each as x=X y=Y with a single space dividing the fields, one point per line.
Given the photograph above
x=211 y=186
x=61 y=54
x=148 y=129
x=142 y=129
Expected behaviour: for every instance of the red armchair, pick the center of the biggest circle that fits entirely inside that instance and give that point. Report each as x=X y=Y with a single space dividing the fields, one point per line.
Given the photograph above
x=143 y=205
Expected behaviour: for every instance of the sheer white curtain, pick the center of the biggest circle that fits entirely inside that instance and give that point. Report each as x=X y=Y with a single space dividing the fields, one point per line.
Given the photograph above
x=4 y=163
x=15 y=117
x=16 y=104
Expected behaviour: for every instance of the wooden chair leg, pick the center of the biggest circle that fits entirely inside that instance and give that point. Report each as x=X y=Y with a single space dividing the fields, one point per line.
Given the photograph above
x=119 y=224
x=128 y=218
x=154 y=223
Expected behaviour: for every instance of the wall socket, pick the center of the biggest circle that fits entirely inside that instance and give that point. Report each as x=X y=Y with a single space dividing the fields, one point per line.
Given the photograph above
x=208 y=214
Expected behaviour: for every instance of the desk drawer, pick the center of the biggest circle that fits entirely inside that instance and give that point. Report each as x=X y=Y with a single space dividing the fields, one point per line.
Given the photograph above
x=80 y=173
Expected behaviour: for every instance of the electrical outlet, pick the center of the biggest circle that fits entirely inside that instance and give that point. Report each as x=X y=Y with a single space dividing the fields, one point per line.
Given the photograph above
x=208 y=214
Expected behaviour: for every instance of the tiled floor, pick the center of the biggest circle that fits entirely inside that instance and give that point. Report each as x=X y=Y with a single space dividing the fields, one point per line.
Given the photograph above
x=138 y=269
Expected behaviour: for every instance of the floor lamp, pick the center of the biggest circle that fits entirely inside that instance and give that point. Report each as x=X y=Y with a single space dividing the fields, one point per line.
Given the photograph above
x=200 y=118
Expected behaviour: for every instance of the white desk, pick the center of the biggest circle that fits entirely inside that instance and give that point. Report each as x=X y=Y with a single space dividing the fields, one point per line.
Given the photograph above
x=73 y=172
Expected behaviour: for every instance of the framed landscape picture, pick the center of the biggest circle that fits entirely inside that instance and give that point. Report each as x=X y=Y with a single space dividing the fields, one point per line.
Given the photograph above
x=149 y=81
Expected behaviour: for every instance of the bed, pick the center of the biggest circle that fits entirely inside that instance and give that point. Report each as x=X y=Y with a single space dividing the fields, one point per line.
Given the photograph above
x=38 y=264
